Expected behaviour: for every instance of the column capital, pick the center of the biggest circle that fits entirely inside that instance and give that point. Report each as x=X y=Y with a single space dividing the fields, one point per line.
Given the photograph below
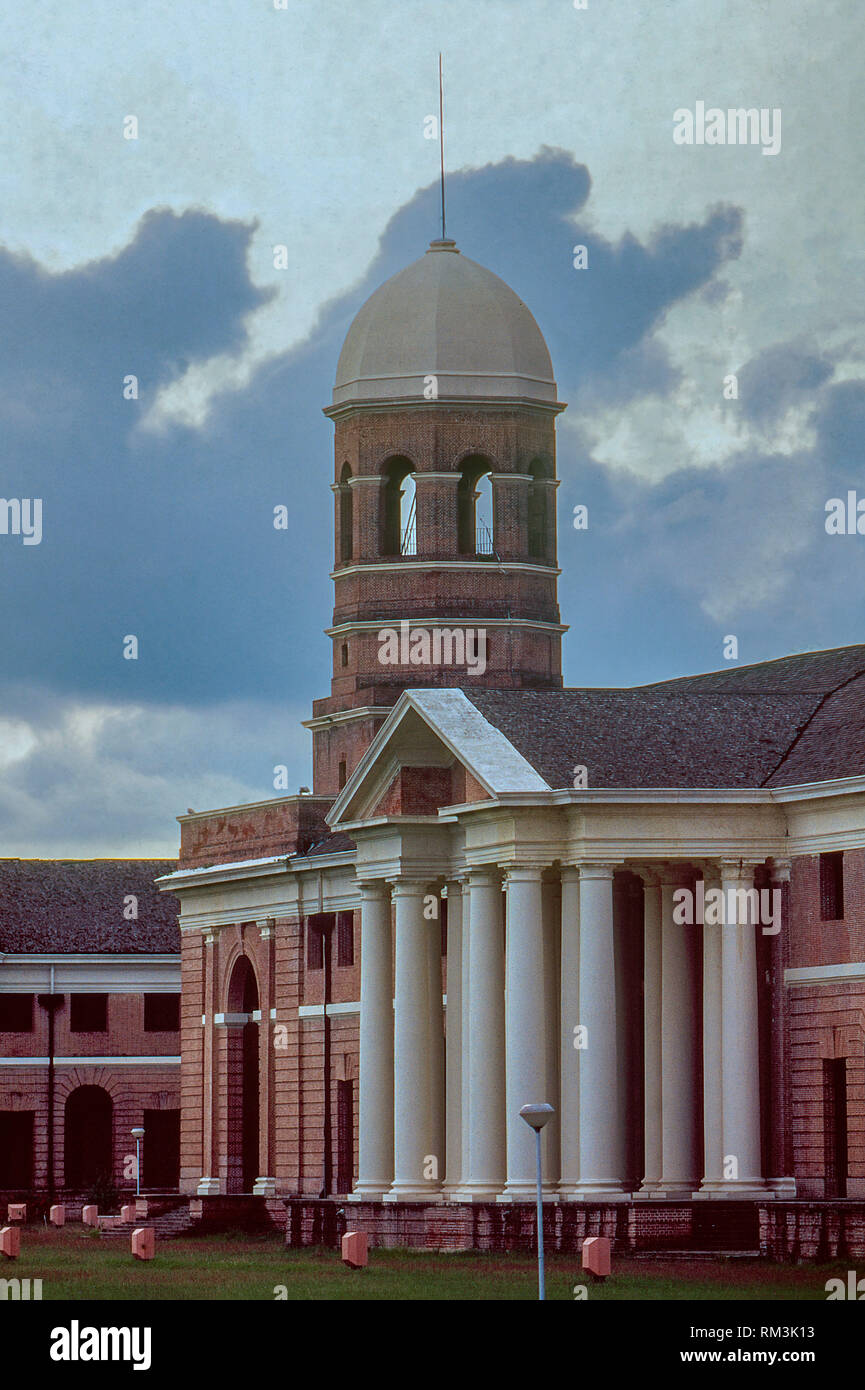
x=373 y=889
x=737 y=870
x=780 y=870
x=522 y=873
x=409 y=887
x=485 y=875
x=602 y=870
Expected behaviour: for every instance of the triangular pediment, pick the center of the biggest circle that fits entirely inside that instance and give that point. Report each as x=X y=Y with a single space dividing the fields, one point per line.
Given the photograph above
x=435 y=749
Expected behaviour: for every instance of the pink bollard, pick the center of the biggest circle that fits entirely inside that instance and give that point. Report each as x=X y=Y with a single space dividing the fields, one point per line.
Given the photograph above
x=90 y=1216
x=16 y=1211
x=10 y=1242
x=596 y=1256
x=354 y=1250
x=144 y=1243
x=57 y=1216
x=128 y=1213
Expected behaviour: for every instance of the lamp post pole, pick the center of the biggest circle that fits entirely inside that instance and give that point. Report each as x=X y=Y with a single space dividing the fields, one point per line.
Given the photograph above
x=138 y=1135
x=536 y=1117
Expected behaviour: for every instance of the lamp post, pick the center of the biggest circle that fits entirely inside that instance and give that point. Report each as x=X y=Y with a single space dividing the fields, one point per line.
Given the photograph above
x=536 y=1117
x=137 y=1135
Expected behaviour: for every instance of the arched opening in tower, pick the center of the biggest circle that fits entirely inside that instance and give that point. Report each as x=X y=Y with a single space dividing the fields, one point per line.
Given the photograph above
x=399 y=512
x=346 y=515
x=475 y=529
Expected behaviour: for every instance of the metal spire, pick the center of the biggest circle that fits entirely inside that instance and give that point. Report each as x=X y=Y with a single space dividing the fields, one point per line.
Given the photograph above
x=442 y=144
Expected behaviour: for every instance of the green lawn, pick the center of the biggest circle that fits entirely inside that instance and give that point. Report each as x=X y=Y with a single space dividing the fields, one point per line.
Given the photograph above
x=74 y=1264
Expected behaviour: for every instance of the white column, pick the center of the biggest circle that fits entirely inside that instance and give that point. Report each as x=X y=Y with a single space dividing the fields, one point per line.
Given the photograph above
x=740 y=1055
x=375 y=1098
x=551 y=1133
x=601 y=1143
x=484 y=1039
x=435 y=1048
x=525 y=1024
x=570 y=1023
x=679 y=1078
x=712 y=1094
x=414 y=1130
x=453 y=1038
x=652 y=1031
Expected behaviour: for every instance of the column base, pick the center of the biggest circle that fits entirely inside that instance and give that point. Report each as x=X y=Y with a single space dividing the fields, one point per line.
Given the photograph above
x=674 y=1190
x=783 y=1188
x=264 y=1187
x=429 y=1196
x=528 y=1192
x=594 y=1191
x=743 y=1190
x=649 y=1192
x=209 y=1187
x=369 y=1191
x=476 y=1192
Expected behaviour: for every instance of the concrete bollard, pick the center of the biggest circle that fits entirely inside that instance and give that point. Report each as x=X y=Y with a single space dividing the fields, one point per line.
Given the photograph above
x=596 y=1256
x=10 y=1242
x=90 y=1215
x=354 y=1249
x=144 y=1243
x=57 y=1216
x=16 y=1211
x=128 y=1212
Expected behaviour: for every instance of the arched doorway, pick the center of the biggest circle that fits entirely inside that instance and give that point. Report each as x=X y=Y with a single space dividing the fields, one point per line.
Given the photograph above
x=242 y=1092
x=88 y=1138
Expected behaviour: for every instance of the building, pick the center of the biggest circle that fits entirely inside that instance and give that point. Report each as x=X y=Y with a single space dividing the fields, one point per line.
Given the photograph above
x=644 y=906
x=89 y=1027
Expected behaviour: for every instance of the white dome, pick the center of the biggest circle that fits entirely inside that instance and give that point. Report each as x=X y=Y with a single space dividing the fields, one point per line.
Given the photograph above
x=448 y=317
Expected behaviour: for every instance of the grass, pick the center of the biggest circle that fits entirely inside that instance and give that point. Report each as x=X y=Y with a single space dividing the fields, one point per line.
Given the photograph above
x=74 y=1264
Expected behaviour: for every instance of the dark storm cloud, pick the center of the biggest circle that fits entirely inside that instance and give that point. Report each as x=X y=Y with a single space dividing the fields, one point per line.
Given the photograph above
x=170 y=537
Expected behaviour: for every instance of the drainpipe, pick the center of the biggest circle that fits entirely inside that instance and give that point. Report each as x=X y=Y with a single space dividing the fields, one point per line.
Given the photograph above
x=51 y=1002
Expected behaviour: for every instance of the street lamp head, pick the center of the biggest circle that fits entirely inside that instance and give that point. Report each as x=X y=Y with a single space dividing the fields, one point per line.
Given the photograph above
x=137 y=1133
x=537 y=1115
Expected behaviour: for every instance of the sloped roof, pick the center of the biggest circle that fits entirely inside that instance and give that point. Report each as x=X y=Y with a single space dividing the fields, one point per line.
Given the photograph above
x=75 y=906
x=779 y=723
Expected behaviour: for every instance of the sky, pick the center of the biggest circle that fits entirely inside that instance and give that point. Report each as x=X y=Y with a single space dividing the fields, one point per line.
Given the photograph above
x=303 y=126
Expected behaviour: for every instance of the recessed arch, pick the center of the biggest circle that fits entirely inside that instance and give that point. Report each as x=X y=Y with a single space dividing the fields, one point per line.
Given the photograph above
x=345 y=502
x=475 y=522
x=539 y=510
x=398 y=508
x=242 y=1080
x=88 y=1135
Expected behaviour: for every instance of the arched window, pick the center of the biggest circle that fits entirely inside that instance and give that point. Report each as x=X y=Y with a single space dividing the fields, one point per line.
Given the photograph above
x=398 y=522
x=475 y=507
x=242 y=1097
x=538 y=546
x=346 y=514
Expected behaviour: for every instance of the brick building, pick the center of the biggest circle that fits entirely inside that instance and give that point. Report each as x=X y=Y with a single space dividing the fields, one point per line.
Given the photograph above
x=89 y=1026
x=485 y=899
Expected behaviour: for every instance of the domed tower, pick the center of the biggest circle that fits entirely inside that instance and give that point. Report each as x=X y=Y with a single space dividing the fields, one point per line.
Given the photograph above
x=445 y=571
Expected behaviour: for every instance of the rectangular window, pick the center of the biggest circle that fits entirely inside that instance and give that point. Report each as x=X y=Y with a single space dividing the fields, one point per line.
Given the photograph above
x=345 y=938
x=162 y=1013
x=832 y=887
x=314 y=947
x=16 y=1013
x=344 y=1136
x=88 y=1013
x=16 y=1149
x=835 y=1127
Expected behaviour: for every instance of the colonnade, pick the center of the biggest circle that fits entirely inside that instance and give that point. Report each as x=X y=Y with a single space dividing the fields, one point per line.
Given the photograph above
x=537 y=1010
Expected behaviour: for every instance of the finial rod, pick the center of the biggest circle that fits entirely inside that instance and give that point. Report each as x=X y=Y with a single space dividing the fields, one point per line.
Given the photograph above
x=442 y=142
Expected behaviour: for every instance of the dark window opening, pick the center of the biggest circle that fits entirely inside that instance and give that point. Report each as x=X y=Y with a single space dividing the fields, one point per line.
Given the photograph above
x=343 y=654
x=16 y=1013
x=314 y=948
x=398 y=529
x=475 y=508
x=16 y=1148
x=346 y=514
x=162 y=1013
x=160 y=1150
x=832 y=887
x=345 y=938
x=87 y=1129
x=537 y=518
x=343 y=773
x=344 y=1136
x=835 y=1126
x=88 y=1013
